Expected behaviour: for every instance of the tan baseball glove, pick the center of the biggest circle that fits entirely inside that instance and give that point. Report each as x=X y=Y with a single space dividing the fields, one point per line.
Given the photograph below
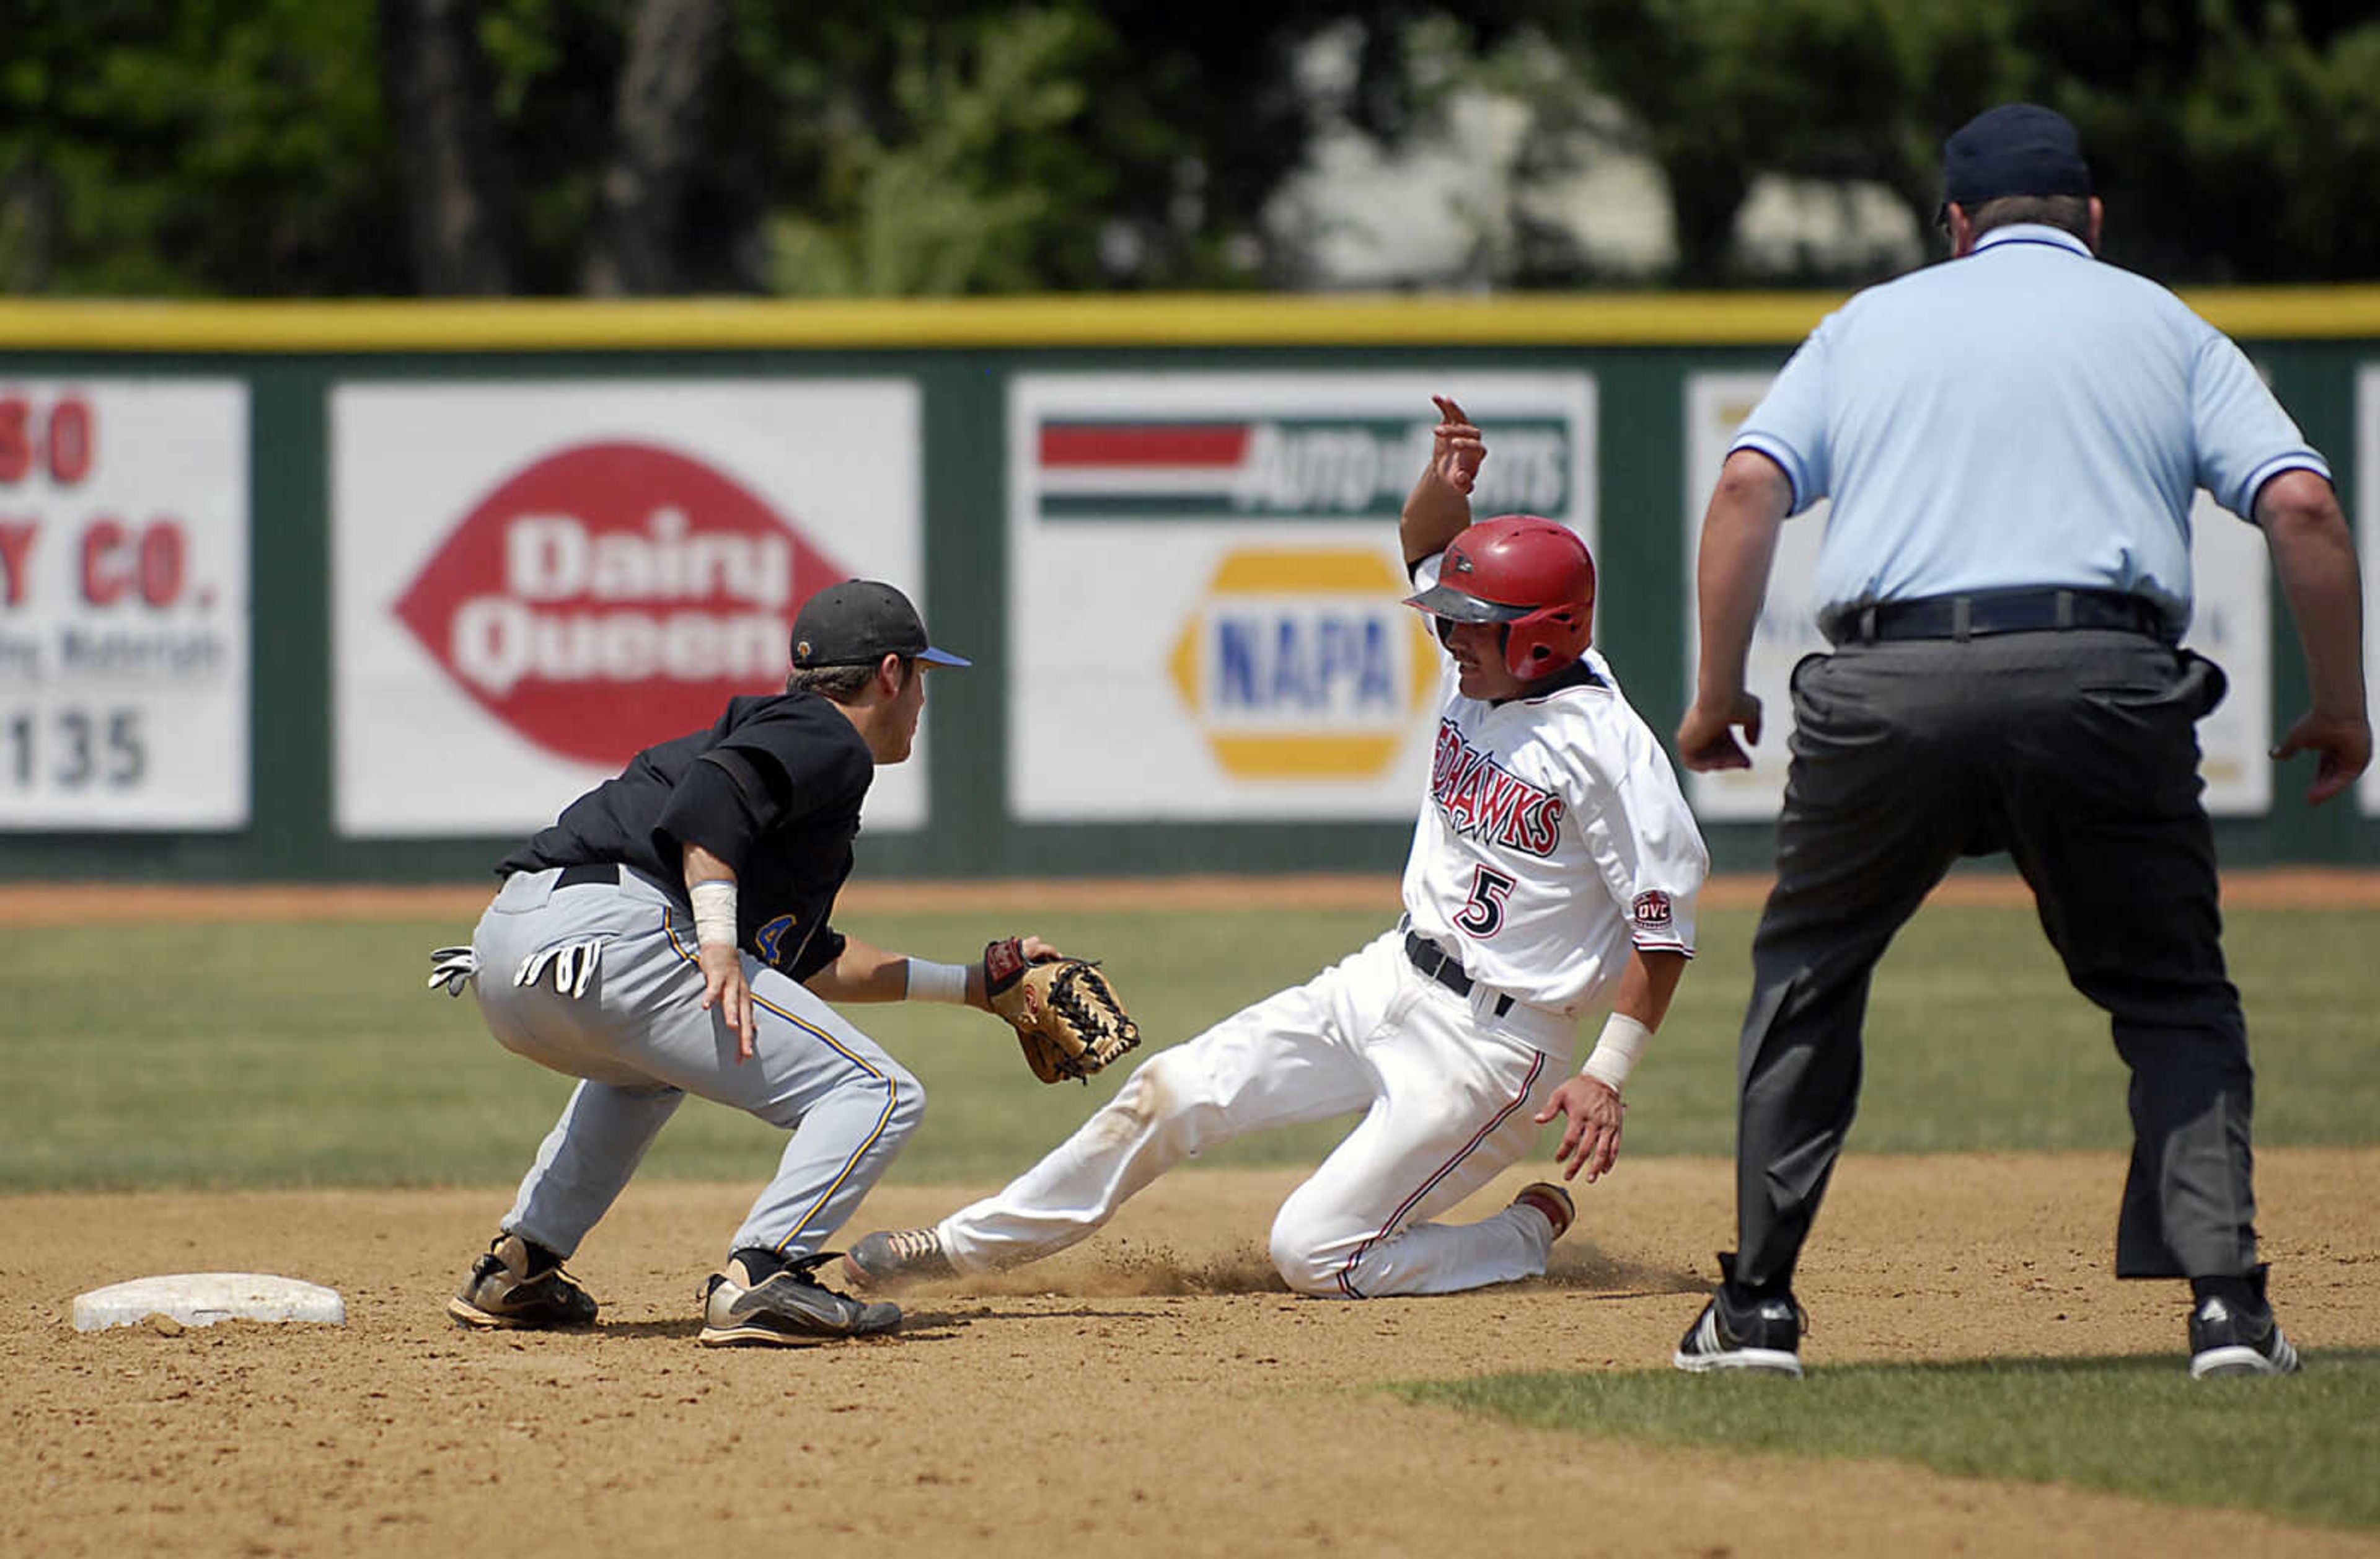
x=1065 y=1014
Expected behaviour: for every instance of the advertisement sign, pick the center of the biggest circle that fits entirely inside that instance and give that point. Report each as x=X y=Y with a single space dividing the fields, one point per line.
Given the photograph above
x=124 y=620
x=532 y=581
x=1207 y=565
x=2367 y=546
x=2231 y=626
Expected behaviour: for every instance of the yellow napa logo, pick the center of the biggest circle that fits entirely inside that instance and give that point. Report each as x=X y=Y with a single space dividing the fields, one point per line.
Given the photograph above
x=1305 y=665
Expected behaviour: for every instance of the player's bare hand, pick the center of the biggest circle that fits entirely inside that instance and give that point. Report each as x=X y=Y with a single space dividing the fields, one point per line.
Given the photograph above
x=2342 y=750
x=1038 y=951
x=723 y=985
x=1707 y=735
x=1455 y=447
x=1591 y=1141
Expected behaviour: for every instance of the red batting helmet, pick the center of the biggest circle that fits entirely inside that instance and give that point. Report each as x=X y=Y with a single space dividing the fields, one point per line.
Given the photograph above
x=1529 y=573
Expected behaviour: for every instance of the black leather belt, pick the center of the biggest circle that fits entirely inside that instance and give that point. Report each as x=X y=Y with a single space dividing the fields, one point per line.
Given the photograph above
x=1989 y=611
x=1445 y=967
x=588 y=871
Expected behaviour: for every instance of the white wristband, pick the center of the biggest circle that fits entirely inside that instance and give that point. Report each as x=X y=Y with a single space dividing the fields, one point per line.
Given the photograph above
x=1617 y=1049
x=714 y=913
x=931 y=981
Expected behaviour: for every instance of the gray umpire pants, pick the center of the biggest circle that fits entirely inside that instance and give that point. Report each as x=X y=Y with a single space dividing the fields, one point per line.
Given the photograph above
x=2077 y=753
x=640 y=1043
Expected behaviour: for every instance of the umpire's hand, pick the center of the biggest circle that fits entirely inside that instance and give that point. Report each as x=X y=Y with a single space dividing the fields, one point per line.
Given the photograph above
x=2342 y=750
x=1707 y=736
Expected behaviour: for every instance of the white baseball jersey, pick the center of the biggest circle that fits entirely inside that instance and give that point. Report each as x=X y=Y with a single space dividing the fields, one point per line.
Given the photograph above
x=1555 y=837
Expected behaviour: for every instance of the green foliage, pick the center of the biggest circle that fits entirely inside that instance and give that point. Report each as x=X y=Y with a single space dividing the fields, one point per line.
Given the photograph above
x=2233 y=142
x=950 y=194
x=246 y=148
x=2302 y=1449
x=2260 y=158
x=309 y=1053
x=236 y=146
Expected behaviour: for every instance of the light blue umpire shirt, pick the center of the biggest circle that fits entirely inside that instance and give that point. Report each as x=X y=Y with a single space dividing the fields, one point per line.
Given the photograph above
x=2024 y=416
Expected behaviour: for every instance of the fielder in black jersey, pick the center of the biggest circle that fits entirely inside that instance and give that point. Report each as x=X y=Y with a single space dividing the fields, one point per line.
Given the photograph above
x=672 y=935
x=773 y=789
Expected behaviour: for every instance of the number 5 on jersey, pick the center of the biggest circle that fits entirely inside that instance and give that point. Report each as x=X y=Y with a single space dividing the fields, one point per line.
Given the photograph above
x=1483 y=912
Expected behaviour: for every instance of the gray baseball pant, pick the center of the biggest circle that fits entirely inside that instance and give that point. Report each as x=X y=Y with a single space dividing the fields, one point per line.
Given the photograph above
x=640 y=1045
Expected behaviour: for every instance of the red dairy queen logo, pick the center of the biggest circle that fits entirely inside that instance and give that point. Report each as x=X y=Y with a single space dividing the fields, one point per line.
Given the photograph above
x=612 y=595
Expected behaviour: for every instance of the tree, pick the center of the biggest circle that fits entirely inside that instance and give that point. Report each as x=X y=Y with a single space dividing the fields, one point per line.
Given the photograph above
x=459 y=180
x=641 y=230
x=233 y=147
x=2228 y=149
x=253 y=148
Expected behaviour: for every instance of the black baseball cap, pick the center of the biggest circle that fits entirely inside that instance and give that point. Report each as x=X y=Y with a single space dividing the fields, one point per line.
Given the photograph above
x=859 y=621
x=2015 y=149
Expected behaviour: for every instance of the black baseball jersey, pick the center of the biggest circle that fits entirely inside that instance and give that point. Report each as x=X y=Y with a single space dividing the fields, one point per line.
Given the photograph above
x=773 y=789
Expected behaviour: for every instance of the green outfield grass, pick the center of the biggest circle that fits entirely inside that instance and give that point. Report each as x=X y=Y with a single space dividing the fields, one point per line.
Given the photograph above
x=308 y=1054
x=2302 y=1449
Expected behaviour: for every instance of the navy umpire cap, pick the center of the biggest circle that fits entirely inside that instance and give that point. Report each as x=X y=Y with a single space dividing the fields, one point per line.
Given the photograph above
x=859 y=621
x=2015 y=149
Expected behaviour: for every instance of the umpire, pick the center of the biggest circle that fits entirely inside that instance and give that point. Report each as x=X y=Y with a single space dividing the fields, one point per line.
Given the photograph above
x=2011 y=442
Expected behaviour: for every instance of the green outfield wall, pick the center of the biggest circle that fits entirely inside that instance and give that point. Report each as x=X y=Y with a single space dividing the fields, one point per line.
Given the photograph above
x=362 y=592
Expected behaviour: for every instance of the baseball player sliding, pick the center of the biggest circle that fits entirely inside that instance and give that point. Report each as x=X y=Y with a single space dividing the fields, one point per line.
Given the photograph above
x=1554 y=868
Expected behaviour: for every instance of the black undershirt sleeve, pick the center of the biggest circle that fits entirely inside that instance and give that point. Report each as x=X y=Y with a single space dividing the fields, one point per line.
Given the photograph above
x=724 y=804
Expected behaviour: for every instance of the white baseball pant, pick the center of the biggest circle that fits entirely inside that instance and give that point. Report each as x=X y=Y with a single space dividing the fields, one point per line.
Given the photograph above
x=1449 y=1092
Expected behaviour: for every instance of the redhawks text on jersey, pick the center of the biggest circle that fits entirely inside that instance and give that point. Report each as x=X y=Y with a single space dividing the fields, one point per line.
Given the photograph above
x=1481 y=800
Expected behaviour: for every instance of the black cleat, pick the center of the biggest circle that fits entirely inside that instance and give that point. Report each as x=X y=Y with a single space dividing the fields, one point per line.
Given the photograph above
x=1740 y=1331
x=2227 y=1339
x=788 y=1308
x=508 y=1289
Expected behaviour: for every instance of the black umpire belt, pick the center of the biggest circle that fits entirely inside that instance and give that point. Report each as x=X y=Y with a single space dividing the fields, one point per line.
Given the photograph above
x=588 y=871
x=1445 y=967
x=1989 y=611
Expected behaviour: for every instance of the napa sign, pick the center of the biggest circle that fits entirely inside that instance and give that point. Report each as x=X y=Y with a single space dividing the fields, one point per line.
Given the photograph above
x=1206 y=583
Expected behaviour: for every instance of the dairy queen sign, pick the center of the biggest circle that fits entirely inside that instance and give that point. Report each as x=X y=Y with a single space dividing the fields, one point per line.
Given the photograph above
x=534 y=582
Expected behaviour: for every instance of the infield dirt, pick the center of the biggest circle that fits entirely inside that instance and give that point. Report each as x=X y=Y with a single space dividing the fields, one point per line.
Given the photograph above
x=1152 y=1392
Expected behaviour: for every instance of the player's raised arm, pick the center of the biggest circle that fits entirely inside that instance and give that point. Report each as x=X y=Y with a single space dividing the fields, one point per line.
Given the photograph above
x=1440 y=506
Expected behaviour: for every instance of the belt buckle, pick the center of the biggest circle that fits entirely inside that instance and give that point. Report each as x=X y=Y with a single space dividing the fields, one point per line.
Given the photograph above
x=1433 y=960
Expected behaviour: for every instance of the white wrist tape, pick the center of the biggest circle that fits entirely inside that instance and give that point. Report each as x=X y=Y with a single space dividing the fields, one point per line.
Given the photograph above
x=1617 y=1051
x=714 y=913
x=931 y=981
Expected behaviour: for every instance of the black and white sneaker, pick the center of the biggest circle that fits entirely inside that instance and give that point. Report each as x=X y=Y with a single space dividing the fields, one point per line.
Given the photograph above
x=788 y=1308
x=2231 y=1339
x=1740 y=1331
